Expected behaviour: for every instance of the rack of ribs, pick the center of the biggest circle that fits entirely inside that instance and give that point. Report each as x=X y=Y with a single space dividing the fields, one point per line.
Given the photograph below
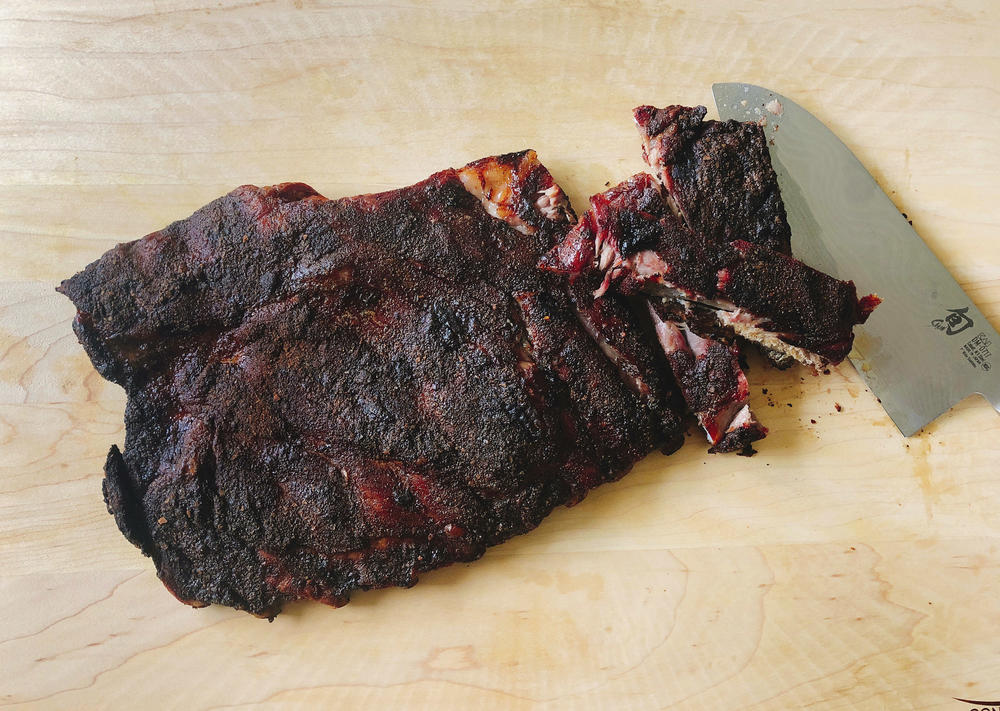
x=333 y=395
x=327 y=396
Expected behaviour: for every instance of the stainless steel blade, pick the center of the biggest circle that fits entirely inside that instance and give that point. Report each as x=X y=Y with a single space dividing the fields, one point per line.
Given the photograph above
x=927 y=346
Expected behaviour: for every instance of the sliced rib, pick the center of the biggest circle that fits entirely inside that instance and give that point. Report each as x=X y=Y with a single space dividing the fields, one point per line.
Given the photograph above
x=706 y=370
x=719 y=180
x=714 y=386
x=764 y=296
x=717 y=174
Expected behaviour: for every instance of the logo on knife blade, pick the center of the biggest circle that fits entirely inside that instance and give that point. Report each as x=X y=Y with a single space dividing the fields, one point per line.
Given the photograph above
x=954 y=323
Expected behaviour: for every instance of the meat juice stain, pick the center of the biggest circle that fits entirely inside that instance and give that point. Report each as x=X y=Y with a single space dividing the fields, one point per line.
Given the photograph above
x=452 y=658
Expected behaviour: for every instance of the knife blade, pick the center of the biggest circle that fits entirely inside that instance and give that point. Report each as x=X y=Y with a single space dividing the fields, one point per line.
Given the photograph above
x=926 y=346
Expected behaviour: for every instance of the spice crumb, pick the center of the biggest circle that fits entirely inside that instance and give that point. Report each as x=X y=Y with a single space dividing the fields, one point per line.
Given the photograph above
x=837 y=406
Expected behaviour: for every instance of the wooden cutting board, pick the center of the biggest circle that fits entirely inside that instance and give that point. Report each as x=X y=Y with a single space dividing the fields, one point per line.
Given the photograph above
x=842 y=567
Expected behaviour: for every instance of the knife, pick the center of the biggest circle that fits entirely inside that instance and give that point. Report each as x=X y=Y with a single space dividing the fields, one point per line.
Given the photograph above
x=926 y=346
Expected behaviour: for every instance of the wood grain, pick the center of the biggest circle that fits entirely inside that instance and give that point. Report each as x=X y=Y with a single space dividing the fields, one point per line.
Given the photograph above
x=843 y=567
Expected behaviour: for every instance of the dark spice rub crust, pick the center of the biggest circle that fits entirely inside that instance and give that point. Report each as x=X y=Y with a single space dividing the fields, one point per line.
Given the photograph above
x=622 y=222
x=332 y=395
x=718 y=174
x=763 y=295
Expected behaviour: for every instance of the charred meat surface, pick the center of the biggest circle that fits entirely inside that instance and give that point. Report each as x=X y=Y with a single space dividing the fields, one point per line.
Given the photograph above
x=718 y=175
x=622 y=222
x=618 y=329
x=763 y=295
x=333 y=395
x=719 y=178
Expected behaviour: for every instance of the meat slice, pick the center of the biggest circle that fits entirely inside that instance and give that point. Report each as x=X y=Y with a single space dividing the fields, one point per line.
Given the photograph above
x=333 y=395
x=763 y=295
x=613 y=322
x=714 y=386
x=717 y=174
x=719 y=179
x=706 y=369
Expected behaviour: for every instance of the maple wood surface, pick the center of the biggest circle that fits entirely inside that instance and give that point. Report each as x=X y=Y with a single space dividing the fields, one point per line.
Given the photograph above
x=842 y=567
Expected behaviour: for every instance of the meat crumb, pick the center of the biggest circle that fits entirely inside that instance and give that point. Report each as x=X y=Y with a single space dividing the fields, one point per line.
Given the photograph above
x=161 y=520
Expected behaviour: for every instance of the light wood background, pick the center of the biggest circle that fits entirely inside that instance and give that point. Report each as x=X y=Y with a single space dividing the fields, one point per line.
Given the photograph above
x=843 y=567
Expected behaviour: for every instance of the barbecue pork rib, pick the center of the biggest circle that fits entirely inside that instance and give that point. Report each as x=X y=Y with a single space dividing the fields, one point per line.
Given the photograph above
x=333 y=395
x=762 y=295
x=705 y=368
x=714 y=386
x=717 y=174
x=718 y=179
